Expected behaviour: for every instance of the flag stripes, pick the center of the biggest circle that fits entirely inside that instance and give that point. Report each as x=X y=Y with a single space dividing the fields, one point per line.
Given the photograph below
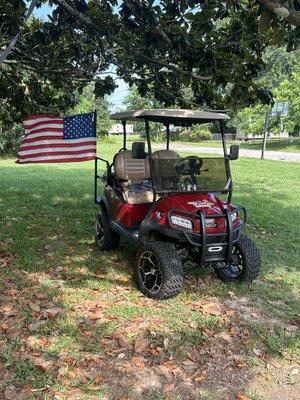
x=46 y=140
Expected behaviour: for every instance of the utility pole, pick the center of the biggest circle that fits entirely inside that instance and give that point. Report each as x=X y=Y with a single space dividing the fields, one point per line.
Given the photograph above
x=266 y=128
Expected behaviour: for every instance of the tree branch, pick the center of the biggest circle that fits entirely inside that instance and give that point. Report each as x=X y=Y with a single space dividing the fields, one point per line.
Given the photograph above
x=292 y=16
x=11 y=45
x=174 y=68
x=85 y=20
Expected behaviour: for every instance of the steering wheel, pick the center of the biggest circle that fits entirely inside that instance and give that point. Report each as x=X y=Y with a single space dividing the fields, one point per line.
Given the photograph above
x=191 y=166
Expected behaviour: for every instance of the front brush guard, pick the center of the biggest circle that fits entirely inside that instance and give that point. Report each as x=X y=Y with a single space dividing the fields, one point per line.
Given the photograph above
x=203 y=240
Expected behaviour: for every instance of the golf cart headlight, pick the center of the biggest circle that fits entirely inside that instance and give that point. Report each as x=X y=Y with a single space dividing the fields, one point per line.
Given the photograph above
x=234 y=216
x=182 y=222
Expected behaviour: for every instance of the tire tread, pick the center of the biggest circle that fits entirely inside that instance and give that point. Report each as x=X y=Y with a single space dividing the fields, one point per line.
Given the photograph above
x=171 y=268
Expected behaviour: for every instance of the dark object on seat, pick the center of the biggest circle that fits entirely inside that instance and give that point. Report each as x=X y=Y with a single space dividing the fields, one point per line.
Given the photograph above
x=138 y=150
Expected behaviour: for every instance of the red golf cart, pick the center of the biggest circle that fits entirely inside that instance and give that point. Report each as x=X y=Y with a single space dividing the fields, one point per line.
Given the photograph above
x=174 y=209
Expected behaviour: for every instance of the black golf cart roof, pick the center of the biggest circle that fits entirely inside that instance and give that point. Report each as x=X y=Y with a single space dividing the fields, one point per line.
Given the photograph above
x=176 y=117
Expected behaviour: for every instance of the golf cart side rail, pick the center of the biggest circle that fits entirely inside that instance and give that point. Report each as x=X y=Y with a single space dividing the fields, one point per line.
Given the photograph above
x=201 y=238
x=99 y=177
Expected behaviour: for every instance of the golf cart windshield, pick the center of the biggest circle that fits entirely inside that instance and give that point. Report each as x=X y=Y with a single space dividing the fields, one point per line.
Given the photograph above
x=190 y=174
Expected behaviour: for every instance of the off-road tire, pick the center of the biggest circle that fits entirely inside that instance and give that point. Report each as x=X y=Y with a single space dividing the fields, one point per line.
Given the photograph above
x=171 y=270
x=251 y=259
x=111 y=239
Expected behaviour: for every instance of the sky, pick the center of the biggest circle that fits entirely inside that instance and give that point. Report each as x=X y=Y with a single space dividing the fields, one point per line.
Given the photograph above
x=116 y=99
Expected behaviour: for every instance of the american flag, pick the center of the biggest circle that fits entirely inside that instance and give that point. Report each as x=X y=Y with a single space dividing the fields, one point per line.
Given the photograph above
x=50 y=139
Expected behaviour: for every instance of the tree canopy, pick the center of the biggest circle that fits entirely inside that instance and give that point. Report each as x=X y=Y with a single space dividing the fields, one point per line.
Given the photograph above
x=212 y=48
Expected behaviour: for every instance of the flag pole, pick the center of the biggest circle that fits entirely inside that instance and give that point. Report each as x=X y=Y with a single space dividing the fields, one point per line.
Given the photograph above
x=96 y=158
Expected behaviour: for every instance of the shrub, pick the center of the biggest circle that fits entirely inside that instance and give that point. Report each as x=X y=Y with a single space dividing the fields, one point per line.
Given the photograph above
x=198 y=132
x=10 y=139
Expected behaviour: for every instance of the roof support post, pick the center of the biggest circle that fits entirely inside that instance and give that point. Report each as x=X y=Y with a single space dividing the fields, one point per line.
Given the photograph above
x=227 y=165
x=147 y=128
x=124 y=134
x=222 y=128
x=168 y=135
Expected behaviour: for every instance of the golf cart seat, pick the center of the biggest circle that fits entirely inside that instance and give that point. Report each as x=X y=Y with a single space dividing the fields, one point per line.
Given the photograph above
x=134 y=175
x=165 y=154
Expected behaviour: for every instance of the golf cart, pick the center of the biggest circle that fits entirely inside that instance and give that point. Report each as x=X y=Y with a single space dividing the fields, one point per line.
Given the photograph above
x=176 y=210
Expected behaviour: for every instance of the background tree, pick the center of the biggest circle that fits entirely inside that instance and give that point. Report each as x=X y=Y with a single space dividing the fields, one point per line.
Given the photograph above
x=87 y=102
x=214 y=47
x=281 y=76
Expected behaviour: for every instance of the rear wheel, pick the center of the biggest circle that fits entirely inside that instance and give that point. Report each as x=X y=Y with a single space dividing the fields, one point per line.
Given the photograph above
x=158 y=270
x=105 y=237
x=245 y=264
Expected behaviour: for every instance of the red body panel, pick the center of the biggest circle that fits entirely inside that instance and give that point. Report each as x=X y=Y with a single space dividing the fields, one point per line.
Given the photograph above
x=131 y=215
x=192 y=202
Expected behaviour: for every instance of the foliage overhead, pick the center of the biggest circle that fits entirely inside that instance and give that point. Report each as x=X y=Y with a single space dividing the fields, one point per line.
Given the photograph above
x=212 y=47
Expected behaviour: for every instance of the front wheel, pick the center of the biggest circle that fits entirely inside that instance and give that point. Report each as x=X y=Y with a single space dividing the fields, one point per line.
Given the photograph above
x=158 y=270
x=245 y=264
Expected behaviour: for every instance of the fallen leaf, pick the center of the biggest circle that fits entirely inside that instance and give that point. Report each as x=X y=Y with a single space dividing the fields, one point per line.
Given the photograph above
x=62 y=371
x=138 y=361
x=239 y=361
x=257 y=352
x=168 y=387
x=4 y=327
x=294 y=371
x=212 y=308
x=34 y=307
x=122 y=342
x=225 y=336
x=290 y=328
x=242 y=396
x=15 y=333
x=141 y=344
x=42 y=365
x=10 y=393
x=52 y=312
x=188 y=363
x=200 y=376
x=191 y=357
x=36 y=325
x=40 y=296
x=295 y=322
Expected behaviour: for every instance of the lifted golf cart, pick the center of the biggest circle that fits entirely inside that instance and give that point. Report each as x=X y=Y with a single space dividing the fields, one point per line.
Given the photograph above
x=174 y=209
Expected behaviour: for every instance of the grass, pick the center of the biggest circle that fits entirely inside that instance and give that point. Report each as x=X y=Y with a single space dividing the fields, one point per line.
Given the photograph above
x=46 y=224
x=291 y=145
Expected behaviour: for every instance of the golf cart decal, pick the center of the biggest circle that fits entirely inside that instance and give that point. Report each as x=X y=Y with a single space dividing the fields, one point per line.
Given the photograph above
x=200 y=204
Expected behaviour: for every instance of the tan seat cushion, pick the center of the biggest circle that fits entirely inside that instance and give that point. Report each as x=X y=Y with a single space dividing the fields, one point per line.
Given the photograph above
x=165 y=154
x=128 y=168
x=138 y=197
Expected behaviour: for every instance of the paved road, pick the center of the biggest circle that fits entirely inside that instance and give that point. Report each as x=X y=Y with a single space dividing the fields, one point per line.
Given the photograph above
x=270 y=155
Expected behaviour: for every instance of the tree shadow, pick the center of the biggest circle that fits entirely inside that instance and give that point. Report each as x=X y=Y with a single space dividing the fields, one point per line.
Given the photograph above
x=50 y=225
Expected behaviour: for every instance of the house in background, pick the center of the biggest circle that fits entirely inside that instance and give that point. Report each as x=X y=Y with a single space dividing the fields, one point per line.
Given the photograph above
x=117 y=129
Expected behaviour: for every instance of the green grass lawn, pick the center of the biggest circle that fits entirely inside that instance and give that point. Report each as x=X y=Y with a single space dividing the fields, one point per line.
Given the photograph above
x=74 y=325
x=291 y=145
x=286 y=145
